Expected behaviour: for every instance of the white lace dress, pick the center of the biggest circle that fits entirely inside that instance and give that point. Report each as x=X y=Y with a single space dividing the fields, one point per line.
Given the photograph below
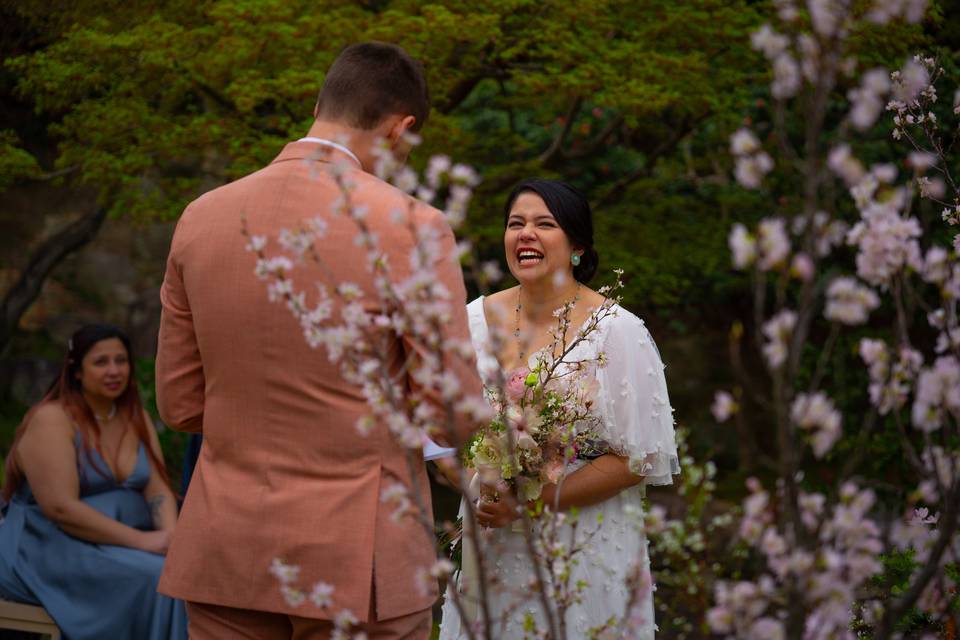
x=637 y=420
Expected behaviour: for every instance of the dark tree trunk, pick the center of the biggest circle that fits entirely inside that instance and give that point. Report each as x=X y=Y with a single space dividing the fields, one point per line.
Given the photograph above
x=43 y=261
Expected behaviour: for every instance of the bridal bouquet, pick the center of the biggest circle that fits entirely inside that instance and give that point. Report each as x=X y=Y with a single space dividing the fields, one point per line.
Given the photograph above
x=544 y=422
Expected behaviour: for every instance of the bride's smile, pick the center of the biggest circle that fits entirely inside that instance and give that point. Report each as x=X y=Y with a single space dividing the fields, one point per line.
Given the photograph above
x=535 y=244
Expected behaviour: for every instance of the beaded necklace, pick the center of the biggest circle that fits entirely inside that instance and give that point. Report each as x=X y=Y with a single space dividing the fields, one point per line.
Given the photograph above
x=516 y=332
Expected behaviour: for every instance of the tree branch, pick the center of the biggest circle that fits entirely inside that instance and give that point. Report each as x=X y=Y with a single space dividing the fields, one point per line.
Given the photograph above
x=43 y=261
x=218 y=98
x=949 y=521
x=556 y=147
x=594 y=145
x=52 y=175
x=459 y=93
x=660 y=150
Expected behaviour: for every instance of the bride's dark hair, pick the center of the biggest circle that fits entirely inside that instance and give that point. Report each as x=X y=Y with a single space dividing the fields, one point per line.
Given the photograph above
x=572 y=212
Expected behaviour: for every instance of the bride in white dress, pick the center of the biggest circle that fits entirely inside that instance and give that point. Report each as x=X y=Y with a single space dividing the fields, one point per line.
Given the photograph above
x=549 y=235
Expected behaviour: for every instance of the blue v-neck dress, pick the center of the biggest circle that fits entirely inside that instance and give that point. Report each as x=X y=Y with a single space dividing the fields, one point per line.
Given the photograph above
x=92 y=591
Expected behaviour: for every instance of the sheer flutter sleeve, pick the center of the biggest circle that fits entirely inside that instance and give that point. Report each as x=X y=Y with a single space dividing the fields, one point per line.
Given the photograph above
x=633 y=400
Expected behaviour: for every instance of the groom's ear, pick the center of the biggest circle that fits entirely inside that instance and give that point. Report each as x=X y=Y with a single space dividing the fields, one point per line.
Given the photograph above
x=400 y=126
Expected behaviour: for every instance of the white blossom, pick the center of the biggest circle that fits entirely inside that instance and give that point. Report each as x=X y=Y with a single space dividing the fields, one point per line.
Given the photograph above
x=257 y=243
x=285 y=573
x=750 y=170
x=816 y=412
x=921 y=160
x=743 y=246
x=802 y=267
x=773 y=243
x=910 y=81
x=933 y=188
x=867 y=101
x=825 y=15
x=743 y=142
x=914 y=10
x=865 y=110
x=406 y=180
x=876 y=81
x=936 y=265
x=437 y=167
x=809 y=50
x=296 y=242
x=938 y=391
x=769 y=42
x=322 y=595
x=885 y=173
x=887 y=242
x=464 y=175
x=849 y=302
x=359 y=212
x=786 y=77
x=344 y=619
x=293 y=596
x=778 y=330
x=786 y=9
x=491 y=271
x=723 y=406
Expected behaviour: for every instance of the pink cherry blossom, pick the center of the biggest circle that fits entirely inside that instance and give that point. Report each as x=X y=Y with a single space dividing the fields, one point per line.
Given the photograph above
x=723 y=406
x=849 y=302
x=744 y=142
x=516 y=384
x=817 y=413
x=773 y=243
x=886 y=241
x=802 y=267
x=770 y=43
x=743 y=246
x=842 y=162
x=938 y=391
x=778 y=330
x=786 y=76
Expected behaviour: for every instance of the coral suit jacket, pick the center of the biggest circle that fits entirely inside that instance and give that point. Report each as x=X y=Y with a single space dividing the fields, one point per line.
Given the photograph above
x=283 y=471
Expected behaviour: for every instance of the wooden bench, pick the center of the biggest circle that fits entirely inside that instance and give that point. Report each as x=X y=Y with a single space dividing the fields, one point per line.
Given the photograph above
x=27 y=617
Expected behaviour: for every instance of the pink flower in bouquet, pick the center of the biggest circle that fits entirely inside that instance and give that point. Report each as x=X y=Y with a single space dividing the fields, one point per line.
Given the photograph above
x=525 y=441
x=516 y=384
x=554 y=461
x=489 y=473
x=589 y=389
x=553 y=470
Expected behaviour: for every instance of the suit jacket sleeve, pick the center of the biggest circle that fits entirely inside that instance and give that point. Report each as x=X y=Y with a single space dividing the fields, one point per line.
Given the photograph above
x=457 y=330
x=180 y=381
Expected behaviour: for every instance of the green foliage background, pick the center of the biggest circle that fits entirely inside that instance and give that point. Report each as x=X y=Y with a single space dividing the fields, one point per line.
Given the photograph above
x=148 y=104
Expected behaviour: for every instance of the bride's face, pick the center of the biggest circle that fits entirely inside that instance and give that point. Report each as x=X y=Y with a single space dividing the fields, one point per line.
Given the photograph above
x=535 y=245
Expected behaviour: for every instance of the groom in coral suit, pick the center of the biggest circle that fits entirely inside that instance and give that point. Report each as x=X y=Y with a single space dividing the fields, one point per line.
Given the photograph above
x=283 y=472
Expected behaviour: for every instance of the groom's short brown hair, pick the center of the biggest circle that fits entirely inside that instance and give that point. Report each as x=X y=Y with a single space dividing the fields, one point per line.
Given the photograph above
x=370 y=81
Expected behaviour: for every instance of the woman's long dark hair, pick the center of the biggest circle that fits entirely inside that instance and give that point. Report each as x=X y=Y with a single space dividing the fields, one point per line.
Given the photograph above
x=67 y=390
x=571 y=209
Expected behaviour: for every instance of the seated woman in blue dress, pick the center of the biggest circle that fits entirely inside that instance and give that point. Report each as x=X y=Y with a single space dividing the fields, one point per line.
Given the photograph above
x=89 y=509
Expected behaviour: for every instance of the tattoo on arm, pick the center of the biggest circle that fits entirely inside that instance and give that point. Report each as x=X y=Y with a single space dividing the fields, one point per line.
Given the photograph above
x=156 y=502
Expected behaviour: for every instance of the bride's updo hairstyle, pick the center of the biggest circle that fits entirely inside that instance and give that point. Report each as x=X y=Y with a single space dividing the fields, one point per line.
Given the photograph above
x=572 y=212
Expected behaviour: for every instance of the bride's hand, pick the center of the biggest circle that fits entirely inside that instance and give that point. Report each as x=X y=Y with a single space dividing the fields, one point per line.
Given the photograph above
x=496 y=515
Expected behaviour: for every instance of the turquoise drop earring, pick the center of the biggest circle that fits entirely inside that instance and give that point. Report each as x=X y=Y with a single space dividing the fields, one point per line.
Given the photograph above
x=575 y=259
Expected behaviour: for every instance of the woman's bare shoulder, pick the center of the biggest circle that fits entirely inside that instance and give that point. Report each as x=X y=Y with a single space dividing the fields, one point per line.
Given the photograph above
x=49 y=420
x=51 y=413
x=502 y=297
